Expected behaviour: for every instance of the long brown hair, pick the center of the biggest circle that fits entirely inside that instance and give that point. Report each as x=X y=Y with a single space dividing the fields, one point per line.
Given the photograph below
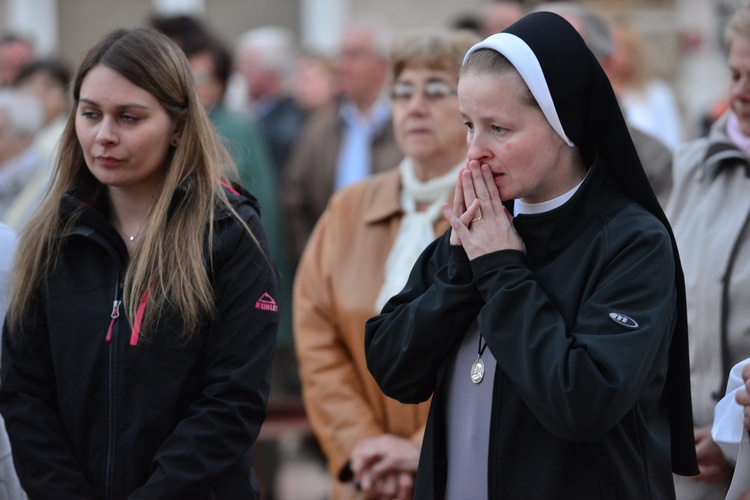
x=170 y=261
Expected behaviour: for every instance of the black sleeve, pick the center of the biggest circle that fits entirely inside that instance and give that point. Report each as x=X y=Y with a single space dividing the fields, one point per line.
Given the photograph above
x=224 y=422
x=43 y=457
x=407 y=343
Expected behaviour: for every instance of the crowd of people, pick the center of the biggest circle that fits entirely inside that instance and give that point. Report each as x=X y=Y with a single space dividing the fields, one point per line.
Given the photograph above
x=485 y=261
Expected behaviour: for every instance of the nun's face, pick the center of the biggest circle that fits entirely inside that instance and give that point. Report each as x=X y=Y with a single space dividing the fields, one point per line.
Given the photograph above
x=739 y=90
x=512 y=136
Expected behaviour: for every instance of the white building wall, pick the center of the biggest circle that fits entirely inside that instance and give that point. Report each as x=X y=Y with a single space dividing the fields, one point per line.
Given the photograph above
x=37 y=19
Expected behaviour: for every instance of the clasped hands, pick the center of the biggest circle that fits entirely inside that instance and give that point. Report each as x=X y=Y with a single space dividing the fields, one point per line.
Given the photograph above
x=384 y=467
x=480 y=222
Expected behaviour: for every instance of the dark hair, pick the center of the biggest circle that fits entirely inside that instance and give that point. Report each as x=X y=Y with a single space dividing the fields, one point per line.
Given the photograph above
x=160 y=72
x=467 y=22
x=194 y=38
x=219 y=54
x=52 y=67
x=184 y=30
x=15 y=37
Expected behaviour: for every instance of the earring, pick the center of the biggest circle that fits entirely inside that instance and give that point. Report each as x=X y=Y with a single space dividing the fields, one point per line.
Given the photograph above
x=174 y=142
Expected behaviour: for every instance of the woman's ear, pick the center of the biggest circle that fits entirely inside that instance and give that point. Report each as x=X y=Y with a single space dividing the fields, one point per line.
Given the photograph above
x=178 y=128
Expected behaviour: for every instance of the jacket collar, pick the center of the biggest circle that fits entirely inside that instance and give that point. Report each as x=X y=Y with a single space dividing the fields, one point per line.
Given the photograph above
x=547 y=234
x=92 y=222
x=383 y=202
x=721 y=151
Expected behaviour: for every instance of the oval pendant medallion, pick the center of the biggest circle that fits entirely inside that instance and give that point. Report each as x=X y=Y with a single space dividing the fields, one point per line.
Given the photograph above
x=477 y=371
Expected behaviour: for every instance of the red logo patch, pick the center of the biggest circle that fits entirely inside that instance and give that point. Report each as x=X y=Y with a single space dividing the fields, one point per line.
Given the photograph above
x=266 y=303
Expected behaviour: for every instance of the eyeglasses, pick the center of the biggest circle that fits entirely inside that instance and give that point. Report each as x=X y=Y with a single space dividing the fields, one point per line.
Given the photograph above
x=433 y=91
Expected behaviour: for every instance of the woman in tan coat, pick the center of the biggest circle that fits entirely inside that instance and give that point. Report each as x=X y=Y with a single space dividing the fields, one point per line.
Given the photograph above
x=360 y=254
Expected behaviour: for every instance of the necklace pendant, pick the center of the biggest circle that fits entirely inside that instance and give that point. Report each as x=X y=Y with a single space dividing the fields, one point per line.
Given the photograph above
x=477 y=370
x=132 y=238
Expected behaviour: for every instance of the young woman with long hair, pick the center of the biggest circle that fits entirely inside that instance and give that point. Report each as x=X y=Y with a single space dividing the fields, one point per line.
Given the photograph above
x=142 y=316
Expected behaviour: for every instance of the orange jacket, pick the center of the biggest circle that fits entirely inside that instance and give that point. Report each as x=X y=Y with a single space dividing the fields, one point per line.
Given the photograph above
x=337 y=282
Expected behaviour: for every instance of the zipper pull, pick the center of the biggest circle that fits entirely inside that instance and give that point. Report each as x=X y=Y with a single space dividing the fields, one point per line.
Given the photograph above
x=115 y=314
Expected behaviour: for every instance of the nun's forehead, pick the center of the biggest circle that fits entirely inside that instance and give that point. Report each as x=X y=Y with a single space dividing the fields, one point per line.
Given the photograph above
x=523 y=58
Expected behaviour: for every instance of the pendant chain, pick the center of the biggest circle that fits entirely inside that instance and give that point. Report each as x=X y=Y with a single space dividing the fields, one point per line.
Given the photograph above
x=131 y=237
x=477 y=368
x=481 y=348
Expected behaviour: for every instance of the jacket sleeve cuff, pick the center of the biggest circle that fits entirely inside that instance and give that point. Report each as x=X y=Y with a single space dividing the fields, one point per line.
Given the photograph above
x=460 y=270
x=487 y=268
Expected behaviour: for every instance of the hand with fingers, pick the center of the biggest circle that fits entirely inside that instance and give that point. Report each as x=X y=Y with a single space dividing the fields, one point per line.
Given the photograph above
x=480 y=222
x=384 y=466
x=743 y=396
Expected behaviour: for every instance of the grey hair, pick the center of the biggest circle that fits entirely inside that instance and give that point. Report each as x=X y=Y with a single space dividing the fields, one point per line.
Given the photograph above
x=24 y=112
x=738 y=25
x=597 y=32
x=274 y=47
x=378 y=27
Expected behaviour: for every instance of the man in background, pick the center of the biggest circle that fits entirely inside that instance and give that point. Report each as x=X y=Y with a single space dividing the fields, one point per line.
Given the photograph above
x=267 y=58
x=343 y=144
x=15 y=51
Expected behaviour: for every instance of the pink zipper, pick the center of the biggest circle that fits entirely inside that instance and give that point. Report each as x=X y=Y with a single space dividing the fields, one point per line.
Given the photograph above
x=136 y=332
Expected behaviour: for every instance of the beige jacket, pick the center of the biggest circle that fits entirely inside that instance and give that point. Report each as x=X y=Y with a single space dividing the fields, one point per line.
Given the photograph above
x=337 y=283
x=709 y=210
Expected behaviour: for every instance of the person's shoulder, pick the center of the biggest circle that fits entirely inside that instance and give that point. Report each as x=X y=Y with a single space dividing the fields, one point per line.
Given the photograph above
x=240 y=200
x=377 y=189
x=647 y=143
x=324 y=118
x=224 y=117
x=629 y=220
x=232 y=222
x=692 y=155
x=291 y=108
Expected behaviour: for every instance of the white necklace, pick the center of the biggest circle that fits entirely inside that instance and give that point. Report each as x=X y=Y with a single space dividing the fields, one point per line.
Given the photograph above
x=131 y=237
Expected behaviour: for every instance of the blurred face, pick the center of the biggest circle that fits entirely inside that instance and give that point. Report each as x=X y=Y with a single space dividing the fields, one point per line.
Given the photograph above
x=123 y=130
x=315 y=83
x=739 y=89
x=512 y=136
x=13 y=55
x=209 y=88
x=249 y=68
x=51 y=94
x=500 y=15
x=426 y=120
x=362 y=71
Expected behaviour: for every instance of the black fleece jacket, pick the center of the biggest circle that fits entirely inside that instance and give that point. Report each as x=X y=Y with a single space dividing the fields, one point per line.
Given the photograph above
x=580 y=327
x=95 y=412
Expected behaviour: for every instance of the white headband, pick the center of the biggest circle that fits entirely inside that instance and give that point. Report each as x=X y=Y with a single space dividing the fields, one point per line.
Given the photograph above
x=524 y=60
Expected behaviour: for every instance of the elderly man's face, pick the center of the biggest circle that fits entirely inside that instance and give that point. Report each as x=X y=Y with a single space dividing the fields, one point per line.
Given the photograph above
x=362 y=70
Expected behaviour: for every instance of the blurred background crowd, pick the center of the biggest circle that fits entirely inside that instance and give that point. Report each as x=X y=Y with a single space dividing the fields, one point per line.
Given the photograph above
x=298 y=89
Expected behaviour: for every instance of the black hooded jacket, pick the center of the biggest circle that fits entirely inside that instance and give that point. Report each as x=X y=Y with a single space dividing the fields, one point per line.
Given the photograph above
x=580 y=326
x=94 y=411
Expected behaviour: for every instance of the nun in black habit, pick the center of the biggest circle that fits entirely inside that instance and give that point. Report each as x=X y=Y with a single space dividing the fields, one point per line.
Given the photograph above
x=549 y=323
